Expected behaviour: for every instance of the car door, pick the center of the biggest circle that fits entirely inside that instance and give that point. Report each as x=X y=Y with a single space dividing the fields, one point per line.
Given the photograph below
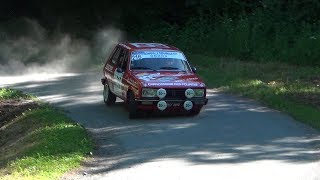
x=119 y=73
x=123 y=73
x=111 y=67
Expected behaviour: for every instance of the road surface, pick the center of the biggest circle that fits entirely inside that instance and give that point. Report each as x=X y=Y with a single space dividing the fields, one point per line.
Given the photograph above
x=232 y=138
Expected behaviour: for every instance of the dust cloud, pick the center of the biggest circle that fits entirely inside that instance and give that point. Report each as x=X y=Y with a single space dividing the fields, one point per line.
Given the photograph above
x=27 y=48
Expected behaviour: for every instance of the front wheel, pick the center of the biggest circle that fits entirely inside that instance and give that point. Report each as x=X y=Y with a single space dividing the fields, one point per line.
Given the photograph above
x=195 y=112
x=108 y=97
x=132 y=106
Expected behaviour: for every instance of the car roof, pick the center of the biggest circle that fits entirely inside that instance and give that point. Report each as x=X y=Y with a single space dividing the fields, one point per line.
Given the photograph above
x=147 y=46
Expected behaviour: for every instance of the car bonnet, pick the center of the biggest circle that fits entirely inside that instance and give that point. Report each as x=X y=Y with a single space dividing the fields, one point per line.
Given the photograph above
x=165 y=79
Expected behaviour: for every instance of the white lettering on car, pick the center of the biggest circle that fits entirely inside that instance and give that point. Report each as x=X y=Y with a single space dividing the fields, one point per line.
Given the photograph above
x=138 y=55
x=109 y=67
x=173 y=84
x=118 y=80
x=148 y=77
x=123 y=45
x=132 y=82
x=149 y=45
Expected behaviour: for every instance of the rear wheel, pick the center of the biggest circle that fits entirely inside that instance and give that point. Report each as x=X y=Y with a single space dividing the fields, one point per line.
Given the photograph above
x=132 y=106
x=108 y=97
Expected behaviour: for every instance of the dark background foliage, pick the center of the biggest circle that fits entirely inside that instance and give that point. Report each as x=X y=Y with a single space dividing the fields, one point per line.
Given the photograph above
x=266 y=30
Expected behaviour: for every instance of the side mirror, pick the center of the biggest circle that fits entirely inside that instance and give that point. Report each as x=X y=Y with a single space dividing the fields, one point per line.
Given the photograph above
x=194 y=69
x=119 y=70
x=103 y=81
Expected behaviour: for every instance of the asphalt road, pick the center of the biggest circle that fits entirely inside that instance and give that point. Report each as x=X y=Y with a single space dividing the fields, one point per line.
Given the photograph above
x=232 y=138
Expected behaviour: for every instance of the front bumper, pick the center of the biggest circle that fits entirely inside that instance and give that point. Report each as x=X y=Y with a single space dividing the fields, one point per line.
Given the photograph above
x=197 y=101
x=172 y=104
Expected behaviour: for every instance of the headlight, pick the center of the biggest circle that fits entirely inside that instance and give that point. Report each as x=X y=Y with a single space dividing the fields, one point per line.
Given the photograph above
x=146 y=92
x=198 y=92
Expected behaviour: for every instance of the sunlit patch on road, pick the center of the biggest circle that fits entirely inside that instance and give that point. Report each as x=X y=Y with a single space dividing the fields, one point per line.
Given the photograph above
x=36 y=78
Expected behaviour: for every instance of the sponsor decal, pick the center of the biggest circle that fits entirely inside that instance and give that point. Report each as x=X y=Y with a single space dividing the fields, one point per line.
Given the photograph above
x=147 y=76
x=167 y=79
x=117 y=85
x=138 y=55
x=158 y=77
x=142 y=74
x=191 y=79
x=125 y=46
x=109 y=67
x=149 y=45
x=173 y=84
x=132 y=82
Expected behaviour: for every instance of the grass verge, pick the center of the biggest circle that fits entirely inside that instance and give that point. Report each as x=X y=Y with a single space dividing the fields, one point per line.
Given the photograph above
x=291 y=89
x=6 y=93
x=42 y=143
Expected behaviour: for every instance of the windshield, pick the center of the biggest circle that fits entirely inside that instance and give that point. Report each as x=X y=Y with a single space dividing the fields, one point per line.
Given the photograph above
x=158 y=60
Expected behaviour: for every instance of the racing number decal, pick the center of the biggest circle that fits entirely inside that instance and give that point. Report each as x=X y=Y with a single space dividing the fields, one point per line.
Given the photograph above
x=118 y=81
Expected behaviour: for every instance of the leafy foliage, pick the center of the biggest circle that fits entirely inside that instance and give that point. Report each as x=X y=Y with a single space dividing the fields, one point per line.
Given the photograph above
x=256 y=36
x=266 y=30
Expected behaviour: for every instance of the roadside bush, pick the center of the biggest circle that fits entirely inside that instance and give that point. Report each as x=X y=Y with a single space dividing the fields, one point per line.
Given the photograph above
x=259 y=36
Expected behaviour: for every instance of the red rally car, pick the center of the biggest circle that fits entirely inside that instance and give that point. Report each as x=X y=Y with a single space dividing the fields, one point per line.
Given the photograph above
x=152 y=77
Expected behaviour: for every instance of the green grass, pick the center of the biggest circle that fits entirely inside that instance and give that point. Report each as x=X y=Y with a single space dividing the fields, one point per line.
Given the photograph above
x=288 y=88
x=42 y=143
x=6 y=93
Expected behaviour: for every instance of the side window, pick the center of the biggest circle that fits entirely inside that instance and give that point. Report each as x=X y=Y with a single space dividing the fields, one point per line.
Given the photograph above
x=124 y=60
x=116 y=55
x=121 y=57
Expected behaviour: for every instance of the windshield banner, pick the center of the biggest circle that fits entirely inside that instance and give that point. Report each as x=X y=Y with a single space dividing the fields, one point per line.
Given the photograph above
x=137 y=55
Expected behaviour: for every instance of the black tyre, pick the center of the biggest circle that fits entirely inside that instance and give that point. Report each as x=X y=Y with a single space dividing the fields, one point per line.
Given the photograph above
x=132 y=106
x=195 y=112
x=108 y=97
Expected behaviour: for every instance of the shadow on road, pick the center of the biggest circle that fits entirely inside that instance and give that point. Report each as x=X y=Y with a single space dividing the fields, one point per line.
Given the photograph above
x=230 y=129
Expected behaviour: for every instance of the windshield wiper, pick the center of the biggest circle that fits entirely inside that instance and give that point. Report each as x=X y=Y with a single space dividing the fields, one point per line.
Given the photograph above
x=169 y=68
x=141 y=67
